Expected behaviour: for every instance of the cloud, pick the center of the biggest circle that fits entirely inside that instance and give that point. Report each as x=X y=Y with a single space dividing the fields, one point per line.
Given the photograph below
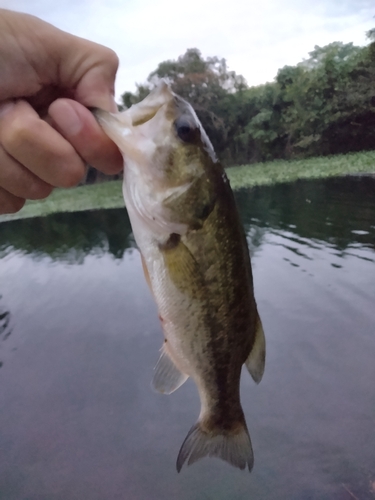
x=256 y=38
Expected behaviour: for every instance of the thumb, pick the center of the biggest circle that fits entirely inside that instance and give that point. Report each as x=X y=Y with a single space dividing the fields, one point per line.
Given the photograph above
x=90 y=69
x=96 y=88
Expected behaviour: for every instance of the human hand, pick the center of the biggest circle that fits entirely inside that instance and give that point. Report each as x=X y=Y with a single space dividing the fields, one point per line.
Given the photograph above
x=47 y=78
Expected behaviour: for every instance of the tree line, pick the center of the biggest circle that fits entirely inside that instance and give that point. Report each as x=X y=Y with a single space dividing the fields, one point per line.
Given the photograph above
x=324 y=105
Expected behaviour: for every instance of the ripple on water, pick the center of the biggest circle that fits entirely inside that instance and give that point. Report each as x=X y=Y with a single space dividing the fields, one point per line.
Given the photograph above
x=78 y=419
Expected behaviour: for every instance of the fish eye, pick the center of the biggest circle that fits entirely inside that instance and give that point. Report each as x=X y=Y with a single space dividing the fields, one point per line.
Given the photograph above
x=184 y=130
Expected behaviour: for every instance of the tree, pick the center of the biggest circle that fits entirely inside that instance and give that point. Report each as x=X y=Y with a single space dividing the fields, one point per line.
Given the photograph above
x=323 y=105
x=209 y=87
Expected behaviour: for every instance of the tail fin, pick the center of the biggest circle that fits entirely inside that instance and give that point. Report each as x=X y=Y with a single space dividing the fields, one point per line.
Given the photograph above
x=233 y=447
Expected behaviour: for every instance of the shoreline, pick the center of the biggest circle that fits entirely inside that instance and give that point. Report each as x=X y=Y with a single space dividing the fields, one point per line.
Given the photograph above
x=109 y=194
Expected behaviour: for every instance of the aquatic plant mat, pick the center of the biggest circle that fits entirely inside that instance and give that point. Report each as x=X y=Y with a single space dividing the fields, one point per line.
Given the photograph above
x=109 y=195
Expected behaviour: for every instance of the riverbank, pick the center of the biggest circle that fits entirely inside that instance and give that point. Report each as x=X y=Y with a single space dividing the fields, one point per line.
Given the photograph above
x=109 y=195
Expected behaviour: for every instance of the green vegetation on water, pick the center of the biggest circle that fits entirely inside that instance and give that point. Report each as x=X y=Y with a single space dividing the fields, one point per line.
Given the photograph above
x=312 y=168
x=109 y=195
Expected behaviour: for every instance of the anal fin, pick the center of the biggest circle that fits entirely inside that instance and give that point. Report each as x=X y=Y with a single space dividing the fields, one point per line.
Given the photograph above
x=167 y=377
x=257 y=357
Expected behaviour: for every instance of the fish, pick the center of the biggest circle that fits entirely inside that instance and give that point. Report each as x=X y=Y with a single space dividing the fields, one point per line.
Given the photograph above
x=196 y=261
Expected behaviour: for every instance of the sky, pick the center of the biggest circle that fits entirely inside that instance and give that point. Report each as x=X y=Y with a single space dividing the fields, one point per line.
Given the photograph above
x=255 y=37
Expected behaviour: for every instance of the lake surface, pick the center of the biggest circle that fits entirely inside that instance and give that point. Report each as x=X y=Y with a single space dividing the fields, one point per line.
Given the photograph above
x=79 y=337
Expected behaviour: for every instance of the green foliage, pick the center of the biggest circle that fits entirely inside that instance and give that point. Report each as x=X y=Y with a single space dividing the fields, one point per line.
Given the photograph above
x=324 y=105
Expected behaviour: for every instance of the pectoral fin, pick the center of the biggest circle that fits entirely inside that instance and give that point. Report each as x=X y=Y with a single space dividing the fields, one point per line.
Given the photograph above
x=167 y=377
x=257 y=357
x=145 y=272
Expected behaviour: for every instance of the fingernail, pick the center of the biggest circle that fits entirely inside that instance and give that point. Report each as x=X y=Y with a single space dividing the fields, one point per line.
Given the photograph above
x=68 y=120
x=5 y=107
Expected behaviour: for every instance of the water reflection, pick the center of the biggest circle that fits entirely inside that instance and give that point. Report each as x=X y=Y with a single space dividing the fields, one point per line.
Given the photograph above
x=77 y=416
x=69 y=237
x=339 y=212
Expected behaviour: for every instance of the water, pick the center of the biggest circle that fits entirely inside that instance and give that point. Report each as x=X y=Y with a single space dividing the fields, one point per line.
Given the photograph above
x=79 y=337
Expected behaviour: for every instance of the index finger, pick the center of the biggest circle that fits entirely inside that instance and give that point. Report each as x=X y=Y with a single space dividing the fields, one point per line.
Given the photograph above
x=79 y=127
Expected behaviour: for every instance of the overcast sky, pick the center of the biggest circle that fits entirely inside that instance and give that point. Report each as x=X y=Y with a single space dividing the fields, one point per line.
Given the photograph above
x=255 y=37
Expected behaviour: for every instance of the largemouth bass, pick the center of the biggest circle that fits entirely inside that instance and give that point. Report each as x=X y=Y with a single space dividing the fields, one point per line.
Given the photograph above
x=197 y=264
